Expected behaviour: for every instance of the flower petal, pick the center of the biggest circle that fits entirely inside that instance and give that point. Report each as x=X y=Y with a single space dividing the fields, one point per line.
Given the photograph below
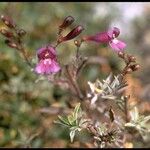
x=54 y=66
x=101 y=37
x=114 y=31
x=47 y=67
x=47 y=50
x=117 y=45
x=40 y=68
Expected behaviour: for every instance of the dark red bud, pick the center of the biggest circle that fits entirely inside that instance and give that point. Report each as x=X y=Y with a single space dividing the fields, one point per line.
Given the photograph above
x=67 y=21
x=6 y=33
x=11 y=43
x=129 y=70
x=132 y=58
x=135 y=67
x=8 y=21
x=75 y=32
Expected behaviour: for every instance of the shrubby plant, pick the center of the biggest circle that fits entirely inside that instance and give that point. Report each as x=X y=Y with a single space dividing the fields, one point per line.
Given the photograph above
x=103 y=110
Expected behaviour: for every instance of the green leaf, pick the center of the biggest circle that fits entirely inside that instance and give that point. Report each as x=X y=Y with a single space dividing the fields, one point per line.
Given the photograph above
x=71 y=120
x=77 y=110
x=64 y=120
x=115 y=82
x=146 y=119
x=109 y=78
x=83 y=122
x=59 y=122
x=99 y=83
x=112 y=97
x=134 y=114
x=129 y=124
x=72 y=134
x=120 y=105
x=102 y=129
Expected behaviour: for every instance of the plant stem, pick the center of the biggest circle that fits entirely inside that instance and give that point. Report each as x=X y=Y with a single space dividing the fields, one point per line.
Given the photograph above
x=81 y=66
x=25 y=57
x=126 y=110
x=77 y=52
x=74 y=84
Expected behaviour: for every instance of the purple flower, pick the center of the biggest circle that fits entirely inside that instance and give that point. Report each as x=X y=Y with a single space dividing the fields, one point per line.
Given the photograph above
x=47 y=61
x=110 y=37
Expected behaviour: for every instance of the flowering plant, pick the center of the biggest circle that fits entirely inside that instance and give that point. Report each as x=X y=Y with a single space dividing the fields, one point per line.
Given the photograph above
x=104 y=99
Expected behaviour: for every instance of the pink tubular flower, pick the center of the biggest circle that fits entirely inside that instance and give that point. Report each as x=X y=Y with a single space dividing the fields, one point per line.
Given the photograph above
x=47 y=61
x=110 y=37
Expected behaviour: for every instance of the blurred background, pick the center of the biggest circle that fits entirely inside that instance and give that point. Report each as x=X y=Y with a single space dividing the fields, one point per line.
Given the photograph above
x=21 y=123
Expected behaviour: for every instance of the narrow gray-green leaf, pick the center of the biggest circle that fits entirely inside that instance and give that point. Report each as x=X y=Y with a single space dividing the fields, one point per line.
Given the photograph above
x=71 y=119
x=77 y=111
x=63 y=120
x=72 y=134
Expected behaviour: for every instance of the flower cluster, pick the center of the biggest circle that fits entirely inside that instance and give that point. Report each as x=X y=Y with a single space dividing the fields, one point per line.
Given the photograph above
x=103 y=133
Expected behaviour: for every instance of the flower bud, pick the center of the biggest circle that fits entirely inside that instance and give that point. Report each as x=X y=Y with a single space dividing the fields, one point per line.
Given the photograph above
x=121 y=54
x=6 y=33
x=132 y=58
x=77 y=43
x=129 y=70
x=21 y=32
x=75 y=32
x=8 y=21
x=135 y=67
x=127 y=97
x=11 y=43
x=67 y=21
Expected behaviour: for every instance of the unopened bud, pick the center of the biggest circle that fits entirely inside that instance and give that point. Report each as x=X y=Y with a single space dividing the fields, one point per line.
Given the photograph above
x=129 y=70
x=77 y=43
x=121 y=54
x=67 y=21
x=21 y=32
x=135 y=67
x=6 y=33
x=127 y=97
x=75 y=32
x=131 y=58
x=8 y=21
x=11 y=43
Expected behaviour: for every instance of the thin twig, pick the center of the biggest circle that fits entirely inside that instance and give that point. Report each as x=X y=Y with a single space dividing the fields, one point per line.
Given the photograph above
x=74 y=84
x=81 y=66
x=26 y=58
x=126 y=110
x=77 y=52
